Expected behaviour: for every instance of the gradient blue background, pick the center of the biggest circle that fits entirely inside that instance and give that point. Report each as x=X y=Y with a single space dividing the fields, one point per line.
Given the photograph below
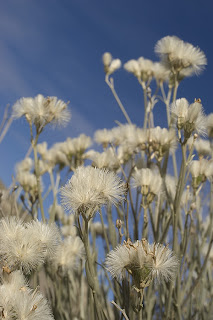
x=54 y=47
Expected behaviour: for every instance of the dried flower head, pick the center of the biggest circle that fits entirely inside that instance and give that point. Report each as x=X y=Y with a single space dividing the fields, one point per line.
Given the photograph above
x=203 y=147
x=200 y=171
x=149 y=181
x=106 y=159
x=26 y=246
x=103 y=137
x=161 y=140
x=110 y=64
x=141 y=68
x=18 y=301
x=178 y=55
x=133 y=67
x=71 y=250
x=40 y=111
x=123 y=133
x=189 y=118
x=160 y=73
x=89 y=188
x=143 y=261
x=48 y=235
x=210 y=125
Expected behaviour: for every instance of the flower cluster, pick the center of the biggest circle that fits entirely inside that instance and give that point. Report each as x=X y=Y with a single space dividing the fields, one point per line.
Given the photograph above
x=68 y=153
x=143 y=261
x=131 y=139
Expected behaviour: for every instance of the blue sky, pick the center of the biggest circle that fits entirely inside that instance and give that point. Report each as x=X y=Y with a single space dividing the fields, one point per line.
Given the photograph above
x=54 y=47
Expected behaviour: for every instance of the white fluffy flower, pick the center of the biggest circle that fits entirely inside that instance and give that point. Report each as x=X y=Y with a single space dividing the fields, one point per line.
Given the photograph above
x=103 y=137
x=47 y=234
x=146 y=68
x=143 y=261
x=160 y=73
x=41 y=110
x=110 y=64
x=189 y=117
x=89 y=188
x=203 y=147
x=210 y=125
x=20 y=302
x=149 y=181
x=123 y=133
x=115 y=65
x=161 y=140
x=107 y=58
x=71 y=250
x=106 y=159
x=32 y=305
x=163 y=137
x=77 y=145
x=200 y=170
x=171 y=186
x=162 y=263
x=142 y=177
x=141 y=68
x=132 y=66
x=201 y=167
x=24 y=165
x=26 y=246
x=178 y=55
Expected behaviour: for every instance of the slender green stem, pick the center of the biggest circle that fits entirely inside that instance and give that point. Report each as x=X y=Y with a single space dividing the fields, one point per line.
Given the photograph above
x=199 y=275
x=37 y=172
x=52 y=213
x=121 y=310
x=110 y=83
x=178 y=195
x=152 y=222
x=104 y=232
x=167 y=101
x=179 y=192
x=145 y=222
x=90 y=273
x=176 y=84
x=145 y=107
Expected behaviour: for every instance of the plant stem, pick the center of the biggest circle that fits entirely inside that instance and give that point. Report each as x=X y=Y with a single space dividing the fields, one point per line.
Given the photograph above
x=90 y=273
x=110 y=83
x=176 y=213
x=37 y=172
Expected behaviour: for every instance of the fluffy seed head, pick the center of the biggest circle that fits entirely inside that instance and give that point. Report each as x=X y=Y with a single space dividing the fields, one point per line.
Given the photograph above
x=71 y=250
x=26 y=246
x=143 y=261
x=132 y=66
x=110 y=64
x=178 y=55
x=40 y=111
x=190 y=118
x=89 y=188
